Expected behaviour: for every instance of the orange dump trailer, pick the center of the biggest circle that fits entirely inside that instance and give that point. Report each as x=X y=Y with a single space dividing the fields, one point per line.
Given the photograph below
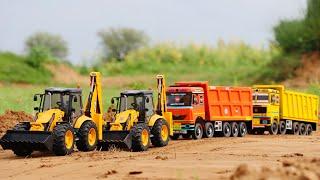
x=200 y=110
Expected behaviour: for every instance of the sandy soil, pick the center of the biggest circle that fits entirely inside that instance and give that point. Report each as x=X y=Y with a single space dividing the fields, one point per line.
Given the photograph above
x=219 y=158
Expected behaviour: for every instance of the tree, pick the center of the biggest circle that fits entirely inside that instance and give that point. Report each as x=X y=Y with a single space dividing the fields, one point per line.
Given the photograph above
x=54 y=44
x=119 y=42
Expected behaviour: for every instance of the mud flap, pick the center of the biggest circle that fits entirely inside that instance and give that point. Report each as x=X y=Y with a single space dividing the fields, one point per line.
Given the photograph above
x=37 y=140
x=121 y=139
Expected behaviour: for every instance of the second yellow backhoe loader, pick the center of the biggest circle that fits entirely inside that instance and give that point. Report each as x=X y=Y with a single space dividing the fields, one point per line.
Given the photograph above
x=137 y=122
x=60 y=123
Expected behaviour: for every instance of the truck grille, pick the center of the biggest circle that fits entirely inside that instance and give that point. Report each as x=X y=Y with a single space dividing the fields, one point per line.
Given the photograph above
x=259 y=109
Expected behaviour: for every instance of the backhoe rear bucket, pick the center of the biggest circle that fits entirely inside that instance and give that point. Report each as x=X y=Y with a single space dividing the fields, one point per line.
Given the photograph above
x=118 y=138
x=37 y=140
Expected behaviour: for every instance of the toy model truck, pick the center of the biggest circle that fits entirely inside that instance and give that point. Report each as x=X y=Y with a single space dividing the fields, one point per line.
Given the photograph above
x=200 y=110
x=285 y=112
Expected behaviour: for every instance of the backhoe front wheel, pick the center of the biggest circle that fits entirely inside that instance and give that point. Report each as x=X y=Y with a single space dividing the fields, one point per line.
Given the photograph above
x=140 y=137
x=88 y=136
x=63 y=139
x=160 y=132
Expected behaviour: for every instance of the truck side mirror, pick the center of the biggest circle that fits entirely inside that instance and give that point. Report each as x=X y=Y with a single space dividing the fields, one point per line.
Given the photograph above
x=36 y=108
x=35 y=98
x=75 y=99
x=147 y=100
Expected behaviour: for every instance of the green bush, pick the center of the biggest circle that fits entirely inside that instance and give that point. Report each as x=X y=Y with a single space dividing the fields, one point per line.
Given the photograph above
x=37 y=56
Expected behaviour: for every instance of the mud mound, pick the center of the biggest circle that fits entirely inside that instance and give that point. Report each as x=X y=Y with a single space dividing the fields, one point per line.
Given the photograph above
x=11 y=118
x=308 y=73
x=293 y=169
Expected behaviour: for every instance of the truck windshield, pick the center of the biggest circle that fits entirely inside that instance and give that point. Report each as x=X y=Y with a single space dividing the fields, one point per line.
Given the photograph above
x=179 y=99
x=260 y=97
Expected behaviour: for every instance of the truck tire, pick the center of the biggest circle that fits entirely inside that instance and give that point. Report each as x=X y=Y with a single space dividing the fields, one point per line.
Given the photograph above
x=234 y=129
x=242 y=129
x=198 y=131
x=208 y=130
x=226 y=129
x=175 y=136
x=63 y=139
x=309 y=129
x=302 y=129
x=22 y=150
x=161 y=133
x=88 y=136
x=295 y=128
x=282 y=128
x=273 y=129
x=140 y=137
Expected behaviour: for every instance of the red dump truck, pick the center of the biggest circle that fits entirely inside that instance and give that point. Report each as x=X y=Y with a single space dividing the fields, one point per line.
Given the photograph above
x=200 y=110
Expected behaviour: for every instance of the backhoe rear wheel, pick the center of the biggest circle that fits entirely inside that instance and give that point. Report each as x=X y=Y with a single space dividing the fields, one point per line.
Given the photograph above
x=88 y=136
x=140 y=137
x=22 y=150
x=161 y=133
x=63 y=139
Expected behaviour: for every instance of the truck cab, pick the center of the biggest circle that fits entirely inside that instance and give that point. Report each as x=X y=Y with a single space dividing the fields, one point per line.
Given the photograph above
x=186 y=105
x=266 y=108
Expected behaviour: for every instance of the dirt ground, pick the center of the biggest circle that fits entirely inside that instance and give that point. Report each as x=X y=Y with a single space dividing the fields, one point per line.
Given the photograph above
x=251 y=157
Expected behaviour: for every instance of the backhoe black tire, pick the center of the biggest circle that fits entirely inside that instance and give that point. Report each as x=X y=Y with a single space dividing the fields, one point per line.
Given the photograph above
x=22 y=150
x=63 y=139
x=226 y=129
x=175 y=136
x=234 y=129
x=208 y=130
x=242 y=129
x=309 y=130
x=198 y=131
x=302 y=129
x=295 y=128
x=282 y=128
x=273 y=129
x=161 y=133
x=139 y=133
x=88 y=137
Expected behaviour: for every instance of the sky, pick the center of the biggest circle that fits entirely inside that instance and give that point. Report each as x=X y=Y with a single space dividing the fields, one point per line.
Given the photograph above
x=179 y=21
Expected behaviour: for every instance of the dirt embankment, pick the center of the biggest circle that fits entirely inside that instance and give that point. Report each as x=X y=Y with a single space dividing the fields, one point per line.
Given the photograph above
x=11 y=118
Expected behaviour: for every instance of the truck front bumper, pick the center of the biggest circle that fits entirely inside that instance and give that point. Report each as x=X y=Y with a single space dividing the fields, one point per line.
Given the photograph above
x=179 y=128
x=261 y=121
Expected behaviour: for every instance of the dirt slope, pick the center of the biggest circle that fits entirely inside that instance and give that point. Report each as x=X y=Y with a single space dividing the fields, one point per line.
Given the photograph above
x=216 y=158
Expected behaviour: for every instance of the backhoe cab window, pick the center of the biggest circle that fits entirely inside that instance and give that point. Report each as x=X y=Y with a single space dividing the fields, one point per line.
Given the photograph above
x=55 y=102
x=179 y=99
x=131 y=102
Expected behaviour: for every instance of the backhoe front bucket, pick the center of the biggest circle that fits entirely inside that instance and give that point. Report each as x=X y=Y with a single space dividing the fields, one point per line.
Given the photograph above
x=118 y=138
x=37 y=140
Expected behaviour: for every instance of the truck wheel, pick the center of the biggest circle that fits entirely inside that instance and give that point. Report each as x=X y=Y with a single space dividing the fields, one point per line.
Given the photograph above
x=88 y=136
x=226 y=129
x=140 y=137
x=234 y=129
x=302 y=129
x=282 y=128
x=208 y=130
x=160 y=132
x=242 y=129
x=198 y=131
x=175 y=136
x=273 y=129
x=295 y=128
x=63 y=139
x=309 y=129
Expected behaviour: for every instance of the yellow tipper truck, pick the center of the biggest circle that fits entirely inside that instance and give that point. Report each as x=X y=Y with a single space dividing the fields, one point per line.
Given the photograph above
x=282 y=111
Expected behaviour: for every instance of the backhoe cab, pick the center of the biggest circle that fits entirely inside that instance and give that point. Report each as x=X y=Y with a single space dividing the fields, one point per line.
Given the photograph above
x=137 y=122
x=60 y=122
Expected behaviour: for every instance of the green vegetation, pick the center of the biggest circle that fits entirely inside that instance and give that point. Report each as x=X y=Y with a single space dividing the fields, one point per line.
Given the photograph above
x=16 y=69
x=235 y=63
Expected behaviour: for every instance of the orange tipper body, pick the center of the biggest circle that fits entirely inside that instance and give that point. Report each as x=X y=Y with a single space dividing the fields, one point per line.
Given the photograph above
x=197 y=102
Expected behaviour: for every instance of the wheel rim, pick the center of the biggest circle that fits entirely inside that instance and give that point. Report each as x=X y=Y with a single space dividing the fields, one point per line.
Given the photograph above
x=243 y=129
x=68 y=139
x=92 y=136
x=227 y=130
x=235 y=129
x=210 y=130
x=198 y=131
x=296 y=128
x=164 y=132
x=144 y=137
x=282 y=127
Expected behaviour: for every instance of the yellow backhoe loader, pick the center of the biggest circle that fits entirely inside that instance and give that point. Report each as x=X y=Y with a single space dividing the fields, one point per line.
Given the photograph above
x=137 y=122
x=60 y=122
